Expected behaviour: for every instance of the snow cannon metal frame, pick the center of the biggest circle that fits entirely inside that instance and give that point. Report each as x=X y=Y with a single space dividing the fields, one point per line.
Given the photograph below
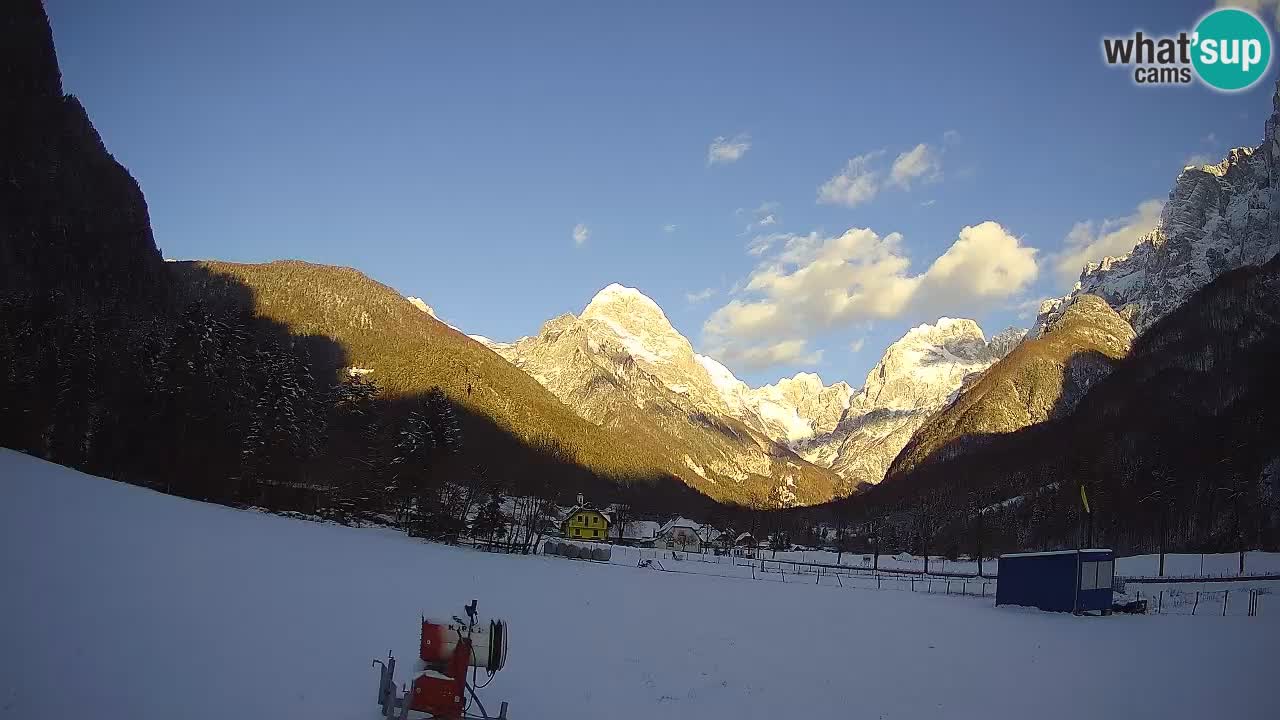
x=439 y=689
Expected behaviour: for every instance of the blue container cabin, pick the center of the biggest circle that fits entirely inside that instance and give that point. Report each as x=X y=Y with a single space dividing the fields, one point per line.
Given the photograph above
x=1074 y=581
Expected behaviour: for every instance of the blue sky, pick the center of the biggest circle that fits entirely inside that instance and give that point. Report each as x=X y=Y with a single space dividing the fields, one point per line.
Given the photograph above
x=451 y=149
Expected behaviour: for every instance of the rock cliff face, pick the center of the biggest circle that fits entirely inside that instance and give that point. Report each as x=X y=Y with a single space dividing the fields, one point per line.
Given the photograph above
x=1041 y=379
x=74 y=219
x=620 y=364
x=916 y=376
x=1218 y=217
x=621 y=358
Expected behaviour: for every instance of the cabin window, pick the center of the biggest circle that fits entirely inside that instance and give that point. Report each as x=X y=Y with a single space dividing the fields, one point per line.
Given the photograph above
x=1105 y=569
x=1088 y=576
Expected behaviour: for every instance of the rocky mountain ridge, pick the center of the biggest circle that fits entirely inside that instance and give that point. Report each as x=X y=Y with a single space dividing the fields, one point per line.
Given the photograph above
x=624 y=341
x=1041 y=379
x=621 y=364
x=917 y=376
x=1218 y=217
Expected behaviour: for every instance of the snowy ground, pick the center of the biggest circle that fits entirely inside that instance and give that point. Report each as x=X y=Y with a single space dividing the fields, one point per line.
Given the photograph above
x=123 y=603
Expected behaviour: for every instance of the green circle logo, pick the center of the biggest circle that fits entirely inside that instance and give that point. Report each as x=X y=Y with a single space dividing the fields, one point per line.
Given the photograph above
x=1232 y=49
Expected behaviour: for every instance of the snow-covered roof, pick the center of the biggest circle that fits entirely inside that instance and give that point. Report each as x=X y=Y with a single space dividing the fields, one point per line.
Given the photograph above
x=577 y=508
x=640 y=530
x=1056 y=552
x=679 y=522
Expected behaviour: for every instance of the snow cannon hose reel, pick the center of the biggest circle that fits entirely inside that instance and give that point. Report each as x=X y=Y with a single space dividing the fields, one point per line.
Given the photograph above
x=439 y=689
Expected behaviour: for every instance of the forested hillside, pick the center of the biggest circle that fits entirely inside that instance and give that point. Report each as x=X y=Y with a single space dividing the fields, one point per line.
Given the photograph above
x=1041 y=378
x=1176 y=448
x=385 y=341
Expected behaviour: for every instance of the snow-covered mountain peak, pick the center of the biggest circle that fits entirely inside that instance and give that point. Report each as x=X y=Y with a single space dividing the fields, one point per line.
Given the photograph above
x=917 y=375
x=929 y=361
x=948 y=342
x=638 y=323
x=421 y=305
x=1234 y=158
x=615 y=300
x=730 y=387
x=944 y=331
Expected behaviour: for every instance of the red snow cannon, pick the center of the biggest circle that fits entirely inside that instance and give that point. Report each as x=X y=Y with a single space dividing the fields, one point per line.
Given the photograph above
x=447 y=649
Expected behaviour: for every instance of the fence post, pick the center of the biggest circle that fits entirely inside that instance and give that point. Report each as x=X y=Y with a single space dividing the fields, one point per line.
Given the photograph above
x=1197 y=603
x=1160 y=604
x=819 y=580
x=1226 y=595
x=877 y=581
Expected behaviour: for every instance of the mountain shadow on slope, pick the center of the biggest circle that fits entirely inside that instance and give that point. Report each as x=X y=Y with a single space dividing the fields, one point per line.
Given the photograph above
x=1177 y=447
x=1041 y=379
x=507 y=420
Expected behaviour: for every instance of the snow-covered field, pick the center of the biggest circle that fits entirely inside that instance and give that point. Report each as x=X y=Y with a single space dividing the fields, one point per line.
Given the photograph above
x=123 y=603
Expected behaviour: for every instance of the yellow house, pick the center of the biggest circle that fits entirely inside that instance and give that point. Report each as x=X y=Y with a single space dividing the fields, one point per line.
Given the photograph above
x=586 y=523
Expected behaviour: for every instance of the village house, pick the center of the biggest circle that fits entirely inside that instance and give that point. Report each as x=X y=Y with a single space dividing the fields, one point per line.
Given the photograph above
x=585 y=523
x=679 y=534
x=640 y=533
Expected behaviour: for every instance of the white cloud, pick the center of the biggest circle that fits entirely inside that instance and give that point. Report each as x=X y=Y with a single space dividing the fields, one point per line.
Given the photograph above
x=1090 y=241
x=1198 y=159
x=950 y=136
x=765 y=215
x=985 y=263
x=762 y=223
x=761 y=244
x=1028 y=309
x=856 y=345
x=580 y=234
x=919 y=162
x=864 y=176
x=725 y=150
x=670 y=228
x=928 y=203
x=856 y=184
x=810 y=284
x=1261 y=8
x=699 y=296
x=759 y=357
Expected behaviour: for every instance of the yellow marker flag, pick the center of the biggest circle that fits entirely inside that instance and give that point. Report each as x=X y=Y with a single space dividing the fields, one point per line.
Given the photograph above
x=1084 y=498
